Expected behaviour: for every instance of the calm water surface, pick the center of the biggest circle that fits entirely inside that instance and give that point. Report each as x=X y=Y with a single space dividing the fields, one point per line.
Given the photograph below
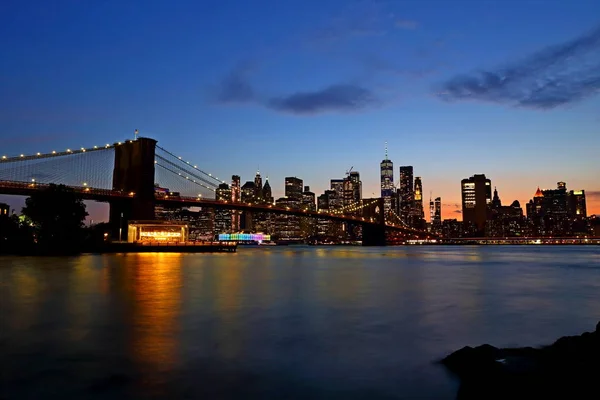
x=279 y=323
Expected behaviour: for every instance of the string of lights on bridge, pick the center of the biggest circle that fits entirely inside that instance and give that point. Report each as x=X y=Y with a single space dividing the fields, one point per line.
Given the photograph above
x=73 y=151
x=357 y=206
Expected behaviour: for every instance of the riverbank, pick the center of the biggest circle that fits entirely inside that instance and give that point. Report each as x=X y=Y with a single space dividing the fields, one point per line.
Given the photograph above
x=569 y=369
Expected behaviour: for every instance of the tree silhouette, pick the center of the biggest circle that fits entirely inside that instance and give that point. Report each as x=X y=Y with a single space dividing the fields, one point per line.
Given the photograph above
x=58 y=214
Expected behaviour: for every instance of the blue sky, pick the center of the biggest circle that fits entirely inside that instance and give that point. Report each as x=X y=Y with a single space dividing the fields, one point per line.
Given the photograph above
x=311 y=88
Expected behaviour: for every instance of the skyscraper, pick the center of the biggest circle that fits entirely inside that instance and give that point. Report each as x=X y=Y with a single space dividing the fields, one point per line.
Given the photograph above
x=267 y=192
x=337 y=186
x=352 y=188
x=437 y=218
x=293 y=189
x=308 y=199
x=258 y=188
x=406 y=196
x=387 y=181
x=236 y=197
x=418 y=212
x=476 y=200
x=577 y=207
x=223 y=216
x=356 y=185
x=431 y=210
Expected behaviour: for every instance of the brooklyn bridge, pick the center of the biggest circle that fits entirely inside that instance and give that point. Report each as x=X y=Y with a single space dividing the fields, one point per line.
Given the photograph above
x=125 y=175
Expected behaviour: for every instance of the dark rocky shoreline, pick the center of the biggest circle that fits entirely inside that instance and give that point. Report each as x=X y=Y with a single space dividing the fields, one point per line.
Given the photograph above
x=567 y=369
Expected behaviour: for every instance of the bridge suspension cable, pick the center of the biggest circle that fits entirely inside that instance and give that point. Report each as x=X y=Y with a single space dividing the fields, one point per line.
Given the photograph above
x=187 y=165
x=169 y=181
x=90 y=167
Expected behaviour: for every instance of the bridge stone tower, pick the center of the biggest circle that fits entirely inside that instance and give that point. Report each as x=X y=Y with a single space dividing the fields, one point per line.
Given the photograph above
x=133 y=173
x=374 y=234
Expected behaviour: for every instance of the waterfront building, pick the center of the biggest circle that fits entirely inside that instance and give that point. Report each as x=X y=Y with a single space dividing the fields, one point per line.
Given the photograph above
x=476 y=200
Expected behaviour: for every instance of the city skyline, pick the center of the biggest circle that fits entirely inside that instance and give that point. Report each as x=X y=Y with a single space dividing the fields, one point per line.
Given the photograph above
x=317 y=89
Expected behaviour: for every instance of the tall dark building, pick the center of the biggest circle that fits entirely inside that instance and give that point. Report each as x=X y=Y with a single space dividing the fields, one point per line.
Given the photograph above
x=387 y=181
x=337 y=186
x=223 y=216
x=293 y=189
x=476 y=199
x=437 y=216
x=267 y=192
x=406 y=195
x=418 y=213
x=247 y=196
x=352 y=189
x=577 y=207
x=308 y=199
x=258 y=188
x=236 y=197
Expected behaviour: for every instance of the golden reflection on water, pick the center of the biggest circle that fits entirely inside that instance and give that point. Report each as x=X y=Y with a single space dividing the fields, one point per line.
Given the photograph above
x=27 y=290
x=156 y=302
x=228 y=298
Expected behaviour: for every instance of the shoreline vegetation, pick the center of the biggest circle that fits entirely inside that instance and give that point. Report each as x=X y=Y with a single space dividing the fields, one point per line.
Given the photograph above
x=567 y=369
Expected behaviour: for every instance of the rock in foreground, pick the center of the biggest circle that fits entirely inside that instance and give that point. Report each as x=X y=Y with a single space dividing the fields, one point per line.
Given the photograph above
x=569 y=369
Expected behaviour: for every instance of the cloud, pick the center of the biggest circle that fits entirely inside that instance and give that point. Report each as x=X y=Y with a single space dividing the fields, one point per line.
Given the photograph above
x=406 y=24
x=345 y=97
x=457 y=211
x=235 y=88
x=556 y=76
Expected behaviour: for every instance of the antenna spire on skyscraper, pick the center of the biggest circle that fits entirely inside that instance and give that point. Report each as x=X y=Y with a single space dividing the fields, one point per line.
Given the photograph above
x=386 y=150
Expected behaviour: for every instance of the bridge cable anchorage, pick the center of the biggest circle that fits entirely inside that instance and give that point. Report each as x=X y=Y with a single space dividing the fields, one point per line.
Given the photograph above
x=190 y=165
x=178 y=174
x=184 y=172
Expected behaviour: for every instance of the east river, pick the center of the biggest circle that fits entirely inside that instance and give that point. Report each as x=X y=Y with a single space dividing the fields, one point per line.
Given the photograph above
x=280 y=322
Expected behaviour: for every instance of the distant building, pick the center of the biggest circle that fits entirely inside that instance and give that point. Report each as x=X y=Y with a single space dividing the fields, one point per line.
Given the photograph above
x=337 y=186
x=476 y=200
x=387 y=182
x=222 y=215
x=558 y=212
x=452 y=229
x=406 y=193
x=267 y=192
x=352 y=188
x=308 y=199
x=577 y=207
x=293 y=190
x=236 y=197
x=248 y=196
x=437 y=215
x=506 y=221
x=418 y=214
x=258 y=188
